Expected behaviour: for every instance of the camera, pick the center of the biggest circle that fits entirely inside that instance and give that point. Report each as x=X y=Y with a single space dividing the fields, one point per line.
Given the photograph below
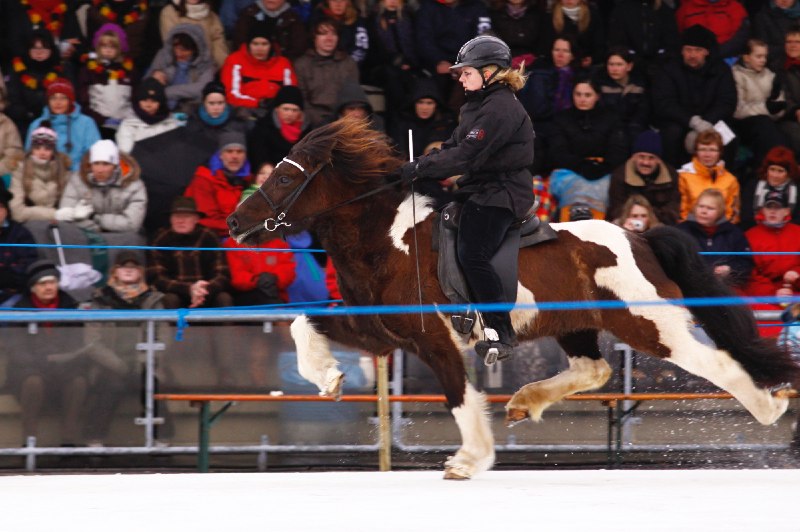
x=637 y=224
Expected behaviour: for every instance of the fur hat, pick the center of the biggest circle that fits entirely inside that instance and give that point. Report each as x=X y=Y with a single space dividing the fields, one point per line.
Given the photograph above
x=699 y=36
x=648 y=141
x=104 y=151
x=40 y=270
x=288 y=94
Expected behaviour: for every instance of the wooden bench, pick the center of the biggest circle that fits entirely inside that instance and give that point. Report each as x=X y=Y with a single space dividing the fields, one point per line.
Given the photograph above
x=614 y=402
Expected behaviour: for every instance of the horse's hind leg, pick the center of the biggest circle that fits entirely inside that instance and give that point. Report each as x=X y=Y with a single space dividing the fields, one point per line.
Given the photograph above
x=314 y=359
x=587 y=371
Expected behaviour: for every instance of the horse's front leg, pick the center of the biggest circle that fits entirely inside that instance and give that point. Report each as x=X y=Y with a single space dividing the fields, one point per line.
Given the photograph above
x=468 y=406
x=314 y=359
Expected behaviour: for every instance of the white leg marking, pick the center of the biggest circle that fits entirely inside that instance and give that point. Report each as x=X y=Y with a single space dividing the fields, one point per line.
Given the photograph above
x=314 y=359
x=404 y=219
x=477 y=449
x=674 y=324
x=583 y=374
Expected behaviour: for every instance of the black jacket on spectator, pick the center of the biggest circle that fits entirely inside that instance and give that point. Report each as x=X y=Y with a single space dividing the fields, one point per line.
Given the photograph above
x=591 y=42
x=581 y=135
x=438 y=127
x=521 y=34
x=14 y=261
x=442 y=30
x=19 y=27
x=491 y=149
x=679 y=92
x=287 y=29
x=770 y=25
x=396 y=44
x=629 y=102
x=651 y=33
x=727 y=237
x=790 y=79
x=265 y=142
x=660 y=189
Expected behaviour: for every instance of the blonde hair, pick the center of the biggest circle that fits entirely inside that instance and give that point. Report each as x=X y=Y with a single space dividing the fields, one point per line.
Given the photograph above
x=109 y=37
x=515 y=79
x=381 y=8
x=584 y=17
x=713 y=194
x=637 y=200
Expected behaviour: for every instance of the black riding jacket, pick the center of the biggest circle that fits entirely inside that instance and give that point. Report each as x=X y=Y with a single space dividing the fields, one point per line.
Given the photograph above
x=492 y=149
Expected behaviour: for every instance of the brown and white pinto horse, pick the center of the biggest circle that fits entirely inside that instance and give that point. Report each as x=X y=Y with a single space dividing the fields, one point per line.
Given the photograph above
x=323 y=185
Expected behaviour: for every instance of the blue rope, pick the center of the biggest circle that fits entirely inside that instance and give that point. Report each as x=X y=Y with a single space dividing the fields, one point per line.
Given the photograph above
x=181 y=324
x=161 y=248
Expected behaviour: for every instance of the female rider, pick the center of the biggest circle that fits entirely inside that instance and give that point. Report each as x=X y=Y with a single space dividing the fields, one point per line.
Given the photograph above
x=492 y=149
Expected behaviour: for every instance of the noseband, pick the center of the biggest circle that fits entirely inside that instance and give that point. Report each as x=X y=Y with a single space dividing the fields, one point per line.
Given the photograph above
x=271 y=224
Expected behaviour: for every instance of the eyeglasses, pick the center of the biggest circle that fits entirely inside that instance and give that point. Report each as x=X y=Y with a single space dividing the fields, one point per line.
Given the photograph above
x=708 y=149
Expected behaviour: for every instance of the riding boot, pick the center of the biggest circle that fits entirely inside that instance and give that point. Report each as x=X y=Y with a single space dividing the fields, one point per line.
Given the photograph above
x=500 y=339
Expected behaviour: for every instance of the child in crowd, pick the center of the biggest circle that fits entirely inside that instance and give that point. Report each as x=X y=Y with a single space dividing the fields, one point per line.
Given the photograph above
x=106 y=81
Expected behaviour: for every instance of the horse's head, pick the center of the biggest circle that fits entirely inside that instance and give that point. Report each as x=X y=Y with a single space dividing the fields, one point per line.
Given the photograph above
x=332 y=164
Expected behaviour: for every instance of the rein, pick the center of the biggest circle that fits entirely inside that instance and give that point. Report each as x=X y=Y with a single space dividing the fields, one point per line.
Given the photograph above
x=272 y=224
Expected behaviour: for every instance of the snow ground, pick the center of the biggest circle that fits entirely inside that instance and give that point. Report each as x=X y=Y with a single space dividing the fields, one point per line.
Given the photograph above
x=591 y=500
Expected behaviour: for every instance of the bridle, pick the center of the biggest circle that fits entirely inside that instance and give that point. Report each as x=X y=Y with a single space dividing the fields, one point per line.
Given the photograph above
x=272 y=224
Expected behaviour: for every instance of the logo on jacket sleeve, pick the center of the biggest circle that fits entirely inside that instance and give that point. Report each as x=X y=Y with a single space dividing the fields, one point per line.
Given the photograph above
x=476 y=133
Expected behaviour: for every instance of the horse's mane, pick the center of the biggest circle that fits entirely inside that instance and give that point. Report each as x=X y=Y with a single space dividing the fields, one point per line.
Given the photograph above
x=357 y=153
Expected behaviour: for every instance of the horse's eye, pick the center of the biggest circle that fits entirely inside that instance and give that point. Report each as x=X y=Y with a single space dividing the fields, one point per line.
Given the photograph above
x=284 y=180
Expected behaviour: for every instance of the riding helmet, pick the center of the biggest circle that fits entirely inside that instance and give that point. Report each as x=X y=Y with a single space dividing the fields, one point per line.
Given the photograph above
x=481 y=51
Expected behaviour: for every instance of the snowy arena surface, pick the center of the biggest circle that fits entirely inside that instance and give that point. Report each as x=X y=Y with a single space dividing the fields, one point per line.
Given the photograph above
x=591 y=500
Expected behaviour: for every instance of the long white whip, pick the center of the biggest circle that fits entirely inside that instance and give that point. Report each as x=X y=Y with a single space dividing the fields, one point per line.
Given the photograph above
x=414 y=228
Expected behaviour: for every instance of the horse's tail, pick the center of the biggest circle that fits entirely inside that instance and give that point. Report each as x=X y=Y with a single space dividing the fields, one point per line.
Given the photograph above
x=733 y=328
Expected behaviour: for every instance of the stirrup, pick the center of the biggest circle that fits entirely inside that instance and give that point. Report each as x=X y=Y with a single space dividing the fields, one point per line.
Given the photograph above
x=463 y=324
x=492 y=352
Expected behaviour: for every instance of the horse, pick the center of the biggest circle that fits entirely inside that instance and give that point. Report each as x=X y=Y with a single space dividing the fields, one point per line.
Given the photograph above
x=337 y=183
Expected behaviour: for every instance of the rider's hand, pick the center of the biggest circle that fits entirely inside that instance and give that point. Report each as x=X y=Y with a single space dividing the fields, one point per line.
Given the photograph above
x=408 y=172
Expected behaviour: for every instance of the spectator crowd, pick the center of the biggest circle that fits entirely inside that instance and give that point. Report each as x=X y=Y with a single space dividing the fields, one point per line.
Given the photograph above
x=128 y=122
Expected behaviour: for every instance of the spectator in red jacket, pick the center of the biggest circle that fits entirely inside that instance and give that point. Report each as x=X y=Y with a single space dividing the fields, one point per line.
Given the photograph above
x=774 y=275
x=260 y=277
x=254 y=73
x=218 y=187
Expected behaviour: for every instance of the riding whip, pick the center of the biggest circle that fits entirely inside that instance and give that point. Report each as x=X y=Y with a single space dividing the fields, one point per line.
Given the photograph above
x=414 y=228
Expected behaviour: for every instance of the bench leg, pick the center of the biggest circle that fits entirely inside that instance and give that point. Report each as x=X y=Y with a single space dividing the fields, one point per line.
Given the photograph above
x=205 y=428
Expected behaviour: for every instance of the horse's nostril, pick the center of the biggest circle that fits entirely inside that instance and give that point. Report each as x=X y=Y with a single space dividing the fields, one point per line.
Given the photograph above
x=233 y=223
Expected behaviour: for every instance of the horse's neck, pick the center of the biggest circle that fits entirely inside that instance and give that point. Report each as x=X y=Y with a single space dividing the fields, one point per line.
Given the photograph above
x=361 y=244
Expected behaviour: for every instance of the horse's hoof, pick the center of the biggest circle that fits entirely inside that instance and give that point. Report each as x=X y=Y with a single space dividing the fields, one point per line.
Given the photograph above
x=451 y=473
x=515 y=416
x=782 y=391
x=333 y=388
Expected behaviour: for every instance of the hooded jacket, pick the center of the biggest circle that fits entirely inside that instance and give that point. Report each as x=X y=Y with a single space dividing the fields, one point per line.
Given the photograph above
x=119 y=205
x=437 y=128
x=76 y=133
x=492 y=149
x=201 y=70
x=213 y=32
x=353 y=93
x=248 y=81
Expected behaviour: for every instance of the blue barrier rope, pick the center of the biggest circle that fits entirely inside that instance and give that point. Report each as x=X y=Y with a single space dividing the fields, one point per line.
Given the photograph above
x=161 y=248
x=312 y=250
x=20 y=315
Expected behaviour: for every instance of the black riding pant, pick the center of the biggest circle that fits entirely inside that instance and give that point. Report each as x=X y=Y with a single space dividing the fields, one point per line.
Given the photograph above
x=481 y=231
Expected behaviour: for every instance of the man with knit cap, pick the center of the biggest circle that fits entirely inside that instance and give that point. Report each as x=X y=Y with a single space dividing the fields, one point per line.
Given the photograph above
x=216 y=188
x=646 y=174
x=41 y=367
x=76 y=131
x=693 y=93
x=274 y=134
x=106 y=194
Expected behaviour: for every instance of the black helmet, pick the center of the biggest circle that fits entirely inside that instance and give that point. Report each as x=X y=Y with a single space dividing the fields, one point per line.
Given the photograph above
x=481 y=51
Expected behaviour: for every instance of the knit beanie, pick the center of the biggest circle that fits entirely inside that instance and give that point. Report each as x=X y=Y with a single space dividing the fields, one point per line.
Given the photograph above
x=104 y=151
x=699 y=36
x=232 y=139
x=151 y=88
x=115 y=29
x=213 y=87
x=288 y=94
x=44 y=136
x=41 y=269
x=259 y=28
x=61 y=86
x=648 y=141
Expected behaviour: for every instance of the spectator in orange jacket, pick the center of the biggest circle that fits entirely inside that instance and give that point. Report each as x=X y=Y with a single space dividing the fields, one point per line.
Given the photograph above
x=254 y=73
x=218 y=187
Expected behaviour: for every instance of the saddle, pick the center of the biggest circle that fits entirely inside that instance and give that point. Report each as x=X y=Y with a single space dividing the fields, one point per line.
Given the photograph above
x=530 y=231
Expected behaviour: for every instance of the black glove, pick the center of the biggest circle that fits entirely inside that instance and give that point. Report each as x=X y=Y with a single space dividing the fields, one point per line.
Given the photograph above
x=408 y=172
x=267 y=285
x=775 y=107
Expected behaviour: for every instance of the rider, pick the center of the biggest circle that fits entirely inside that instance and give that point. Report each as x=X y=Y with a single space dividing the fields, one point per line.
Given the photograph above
x=492 y=148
